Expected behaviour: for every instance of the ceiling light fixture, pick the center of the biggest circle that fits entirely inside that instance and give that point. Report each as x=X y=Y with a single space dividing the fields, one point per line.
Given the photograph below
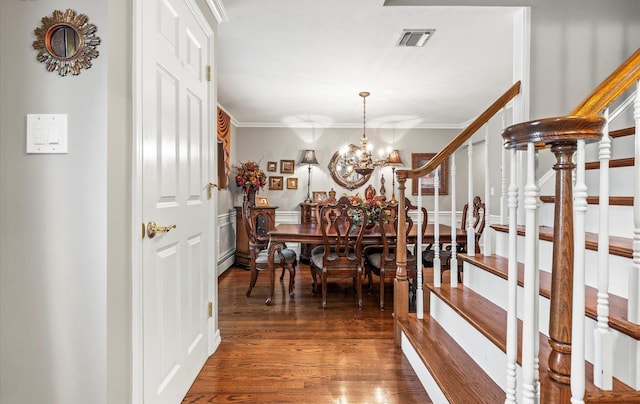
x=361 y=160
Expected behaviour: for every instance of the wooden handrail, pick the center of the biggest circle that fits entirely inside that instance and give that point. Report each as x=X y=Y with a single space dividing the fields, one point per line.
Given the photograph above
x=612 y=87
x=462 y=136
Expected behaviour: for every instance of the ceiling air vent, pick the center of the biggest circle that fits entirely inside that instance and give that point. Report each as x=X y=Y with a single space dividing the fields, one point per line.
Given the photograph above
x=414 y=37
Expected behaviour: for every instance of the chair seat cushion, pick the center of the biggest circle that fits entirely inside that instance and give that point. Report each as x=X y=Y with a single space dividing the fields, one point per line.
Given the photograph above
x=374 y=259
x=428 y=256
x=288 y=253
x=317 y=256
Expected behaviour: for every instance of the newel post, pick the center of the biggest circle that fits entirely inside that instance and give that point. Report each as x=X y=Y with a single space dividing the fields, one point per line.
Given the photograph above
x=561 y=134
x=401 y=283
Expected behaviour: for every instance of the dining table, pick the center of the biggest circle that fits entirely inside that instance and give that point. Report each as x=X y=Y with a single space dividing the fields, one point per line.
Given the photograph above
x=311 y=233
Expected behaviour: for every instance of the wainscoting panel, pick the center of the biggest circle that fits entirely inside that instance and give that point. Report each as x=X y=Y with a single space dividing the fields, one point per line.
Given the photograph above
x=226 y=240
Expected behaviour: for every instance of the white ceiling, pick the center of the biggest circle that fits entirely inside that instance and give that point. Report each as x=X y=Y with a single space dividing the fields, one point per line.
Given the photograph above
x=303 y=62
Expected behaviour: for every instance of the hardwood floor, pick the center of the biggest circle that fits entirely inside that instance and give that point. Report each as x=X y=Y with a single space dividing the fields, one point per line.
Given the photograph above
x=294 y=351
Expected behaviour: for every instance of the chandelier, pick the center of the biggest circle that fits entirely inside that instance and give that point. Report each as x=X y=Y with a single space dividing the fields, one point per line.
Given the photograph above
x=361 y=159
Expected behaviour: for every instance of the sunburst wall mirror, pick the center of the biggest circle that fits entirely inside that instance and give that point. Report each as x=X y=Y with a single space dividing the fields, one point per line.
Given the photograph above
x=66 y=42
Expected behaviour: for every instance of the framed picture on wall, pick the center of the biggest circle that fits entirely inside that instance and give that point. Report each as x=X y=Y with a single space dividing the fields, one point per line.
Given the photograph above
x=275 y=182
x=287 y=166
x=292 y=183
x=272 y=166
x=428 y=182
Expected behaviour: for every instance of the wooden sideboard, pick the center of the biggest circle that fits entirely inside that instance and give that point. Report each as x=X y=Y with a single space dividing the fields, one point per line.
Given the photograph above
x=242 y=239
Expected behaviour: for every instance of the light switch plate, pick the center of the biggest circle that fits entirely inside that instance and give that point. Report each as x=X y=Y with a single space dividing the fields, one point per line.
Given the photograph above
x=46 y=134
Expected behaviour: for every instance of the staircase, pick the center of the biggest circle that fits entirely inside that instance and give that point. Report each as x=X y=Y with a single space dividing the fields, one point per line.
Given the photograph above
x=517 y=329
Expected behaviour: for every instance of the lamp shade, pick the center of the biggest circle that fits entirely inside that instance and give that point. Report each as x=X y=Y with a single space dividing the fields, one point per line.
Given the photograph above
x=309 y=157
x=394 y=158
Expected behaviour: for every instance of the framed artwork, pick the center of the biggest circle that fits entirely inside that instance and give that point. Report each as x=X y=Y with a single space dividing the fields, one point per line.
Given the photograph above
x=428 y=182
x=272 y=166
x=319 y=196
x=287 y=166
x=262 y=201
x=292 y=183
x=275 y=183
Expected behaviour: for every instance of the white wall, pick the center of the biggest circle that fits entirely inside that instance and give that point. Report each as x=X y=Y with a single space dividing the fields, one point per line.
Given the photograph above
x=53 y=214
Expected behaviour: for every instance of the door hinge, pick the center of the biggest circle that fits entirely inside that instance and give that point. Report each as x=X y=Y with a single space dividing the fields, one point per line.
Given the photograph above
x=208 y=72
x=210 y=309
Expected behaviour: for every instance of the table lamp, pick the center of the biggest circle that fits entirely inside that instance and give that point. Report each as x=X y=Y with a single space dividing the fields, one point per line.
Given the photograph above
x=309 y=158
x=394 y=160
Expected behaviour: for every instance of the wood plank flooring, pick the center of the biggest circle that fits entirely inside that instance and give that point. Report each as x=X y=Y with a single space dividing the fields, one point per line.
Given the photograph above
x=294 y=351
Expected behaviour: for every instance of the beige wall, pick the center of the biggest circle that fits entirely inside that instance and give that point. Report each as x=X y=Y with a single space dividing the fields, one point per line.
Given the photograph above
x=275 y=144
x=53 y=214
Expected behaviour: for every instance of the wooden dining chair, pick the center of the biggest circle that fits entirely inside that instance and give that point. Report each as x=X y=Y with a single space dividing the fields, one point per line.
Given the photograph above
x=381 y=260
x=284 y=257
x=478 y=214
x=341 y=252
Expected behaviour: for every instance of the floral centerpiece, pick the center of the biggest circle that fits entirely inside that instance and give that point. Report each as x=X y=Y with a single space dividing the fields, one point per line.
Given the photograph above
x=373 y=206
x=250 y=178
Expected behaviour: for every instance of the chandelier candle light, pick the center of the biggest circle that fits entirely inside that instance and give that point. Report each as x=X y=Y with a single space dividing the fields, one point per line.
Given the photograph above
x=363 y=161
x=309 y=158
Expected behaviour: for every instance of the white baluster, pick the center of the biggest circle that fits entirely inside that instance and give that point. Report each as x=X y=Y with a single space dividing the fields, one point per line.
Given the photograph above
x=437 y=268
x=512 y=283
x=487 y=239
x=418 y=249
x=603 y=355
x=634 y=281
x=530 y=338
x=503 y=176
x=577 y=320
x=453 y=281
x=471 y=234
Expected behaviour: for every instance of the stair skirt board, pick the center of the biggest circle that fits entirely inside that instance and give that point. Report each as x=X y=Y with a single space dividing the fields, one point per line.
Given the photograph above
x=619 y=267
x=487 y=355
x=494 y=289
x=429 y=384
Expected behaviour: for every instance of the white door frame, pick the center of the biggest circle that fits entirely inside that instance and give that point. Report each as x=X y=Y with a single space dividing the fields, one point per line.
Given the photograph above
x=137 y=222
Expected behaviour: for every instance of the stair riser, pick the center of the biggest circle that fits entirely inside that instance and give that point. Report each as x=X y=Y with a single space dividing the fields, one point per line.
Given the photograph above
x=625 y=348
x=620 y=224
x=430 y=385
x=491 y=358
x=620 y=181
x=619 y=267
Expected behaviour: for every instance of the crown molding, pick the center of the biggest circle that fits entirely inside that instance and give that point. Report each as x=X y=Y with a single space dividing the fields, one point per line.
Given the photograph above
x=234 y=122
x=218 y=10
x=335 y=125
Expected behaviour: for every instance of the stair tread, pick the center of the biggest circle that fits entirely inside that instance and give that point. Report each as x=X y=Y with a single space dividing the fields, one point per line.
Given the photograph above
x=449 y=365
x=620 y=246
x=613 y=163
x=491 y=321
x=595 y=200
x=630 y=131
x=498 y=265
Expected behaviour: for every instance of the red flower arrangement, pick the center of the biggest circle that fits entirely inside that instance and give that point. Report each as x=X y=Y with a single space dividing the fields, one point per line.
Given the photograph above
x=373 y=206
x=249 y=175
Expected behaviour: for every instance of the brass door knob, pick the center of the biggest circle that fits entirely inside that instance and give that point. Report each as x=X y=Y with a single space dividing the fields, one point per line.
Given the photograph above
x=210 y=187
x=152 y=229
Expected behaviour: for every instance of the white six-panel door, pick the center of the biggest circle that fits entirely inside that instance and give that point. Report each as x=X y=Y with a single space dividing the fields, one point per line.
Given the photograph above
x=175 y=164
